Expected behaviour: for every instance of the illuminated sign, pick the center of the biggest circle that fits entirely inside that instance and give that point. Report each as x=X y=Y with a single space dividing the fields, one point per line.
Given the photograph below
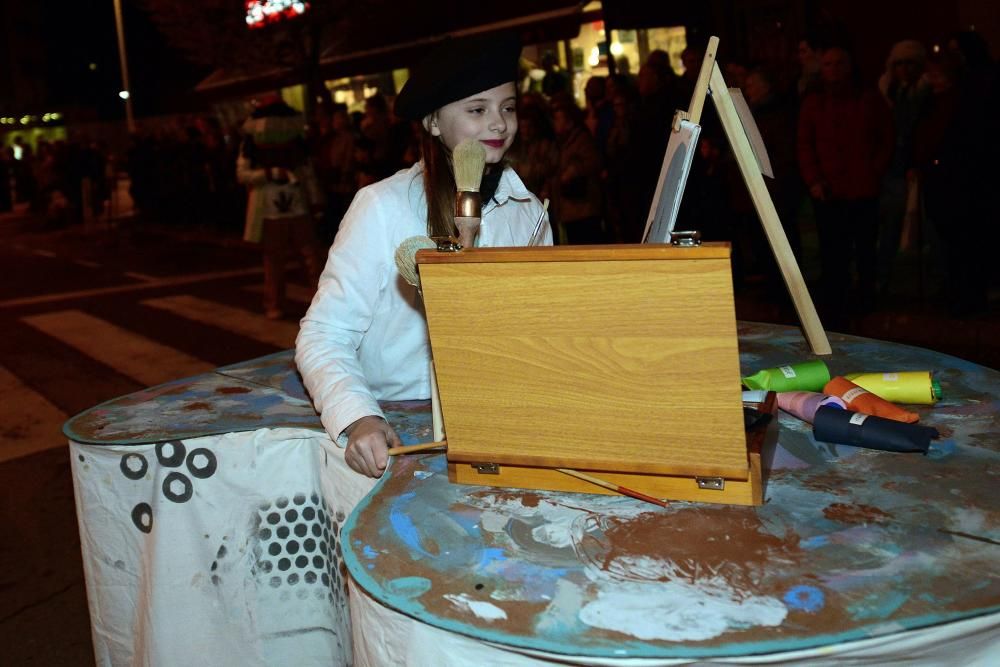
x=264 y=12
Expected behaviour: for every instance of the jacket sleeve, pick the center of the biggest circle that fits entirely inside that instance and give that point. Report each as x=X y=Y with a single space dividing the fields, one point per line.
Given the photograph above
x=247 y=175
x=330 y=335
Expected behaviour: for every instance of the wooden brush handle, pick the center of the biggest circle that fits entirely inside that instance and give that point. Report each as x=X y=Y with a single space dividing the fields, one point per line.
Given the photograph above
x=411 y=449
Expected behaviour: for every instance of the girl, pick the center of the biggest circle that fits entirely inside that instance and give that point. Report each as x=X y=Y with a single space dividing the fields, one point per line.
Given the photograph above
x=364 y=338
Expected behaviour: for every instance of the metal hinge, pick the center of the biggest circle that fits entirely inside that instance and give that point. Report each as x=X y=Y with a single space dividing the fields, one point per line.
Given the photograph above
x=713 y=483
x=487 y=468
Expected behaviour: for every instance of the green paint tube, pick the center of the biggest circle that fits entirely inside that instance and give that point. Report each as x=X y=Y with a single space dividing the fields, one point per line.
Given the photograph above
x=806 y=376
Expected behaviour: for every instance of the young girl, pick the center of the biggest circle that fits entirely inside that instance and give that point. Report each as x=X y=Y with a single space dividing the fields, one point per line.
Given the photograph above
x=364 y=338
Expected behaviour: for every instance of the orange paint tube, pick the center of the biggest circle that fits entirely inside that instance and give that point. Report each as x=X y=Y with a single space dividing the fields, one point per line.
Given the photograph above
x=862 y=400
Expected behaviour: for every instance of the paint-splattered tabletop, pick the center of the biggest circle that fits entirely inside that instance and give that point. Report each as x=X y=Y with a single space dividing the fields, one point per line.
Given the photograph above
x=851 y=543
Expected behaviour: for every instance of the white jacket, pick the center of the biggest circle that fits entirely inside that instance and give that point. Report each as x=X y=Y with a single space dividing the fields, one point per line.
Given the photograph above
x=364 y=338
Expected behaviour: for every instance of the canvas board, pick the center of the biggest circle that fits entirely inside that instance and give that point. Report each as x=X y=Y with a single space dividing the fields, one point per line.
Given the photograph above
x=670 y=187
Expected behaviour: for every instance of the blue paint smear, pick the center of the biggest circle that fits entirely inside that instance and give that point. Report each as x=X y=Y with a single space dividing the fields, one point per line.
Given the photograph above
x=941 y=449
x=805 y=598
x=815 y=542
x=403 y=525
x=490 y=555
x=468 y=520
x=369 y=552
x=409 y=587
x=878 y=606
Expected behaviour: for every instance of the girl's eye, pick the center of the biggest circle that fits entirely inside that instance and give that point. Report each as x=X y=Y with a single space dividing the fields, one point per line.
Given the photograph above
x=477 y=110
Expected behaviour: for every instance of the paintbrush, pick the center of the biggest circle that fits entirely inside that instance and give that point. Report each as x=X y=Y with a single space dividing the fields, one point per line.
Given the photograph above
x=618 y=488
x=406 y=257
x=535 y=237
x=469 y=159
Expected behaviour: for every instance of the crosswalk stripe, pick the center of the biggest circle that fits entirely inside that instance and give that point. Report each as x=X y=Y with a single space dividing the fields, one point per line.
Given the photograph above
x=30 y=422
x=144 y=360
x=121 y=289
x=243 y=322
x=292 y=292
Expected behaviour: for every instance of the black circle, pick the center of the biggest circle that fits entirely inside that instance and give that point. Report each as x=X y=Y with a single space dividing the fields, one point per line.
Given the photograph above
x=282 y=532
x=177 y=454
x=265 y=566
x=284 y=564
x=281 y=503
x=273 y=518
x=134 y=474
x=299 y=499
x=265 y=533
x=310 y=577
x=316 y=530
x=322 y=547
x=291 y=516
x=479 y=587
x=321 y=515
x=81 y=458
x=318 y=562
x=301 y=562
x=206 y=470
x=275 y=581
x=264 y=507
x=293 y=578
x=274 y=548
x=309 y=545
x=138 y=512
x=301 y=529
x=309 y=513
x=326 y=579
x=314 y=498
x=184 y=495
x=292 y=547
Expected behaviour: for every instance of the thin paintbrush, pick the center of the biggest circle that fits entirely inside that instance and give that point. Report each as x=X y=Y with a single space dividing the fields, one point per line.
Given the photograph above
x=618 y=488
x=535 y=238
x=469 y=161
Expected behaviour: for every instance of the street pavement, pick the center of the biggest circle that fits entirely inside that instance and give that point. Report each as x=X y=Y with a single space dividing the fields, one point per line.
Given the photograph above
x=90 y=314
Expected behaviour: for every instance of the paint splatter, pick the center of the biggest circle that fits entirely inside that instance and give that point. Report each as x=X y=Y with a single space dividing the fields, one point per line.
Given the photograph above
x=678 y=611
x=856 y=513
x=484 y=610
x=805 y=598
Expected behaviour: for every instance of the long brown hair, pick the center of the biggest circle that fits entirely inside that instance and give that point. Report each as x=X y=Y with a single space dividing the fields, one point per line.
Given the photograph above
x=439 y=186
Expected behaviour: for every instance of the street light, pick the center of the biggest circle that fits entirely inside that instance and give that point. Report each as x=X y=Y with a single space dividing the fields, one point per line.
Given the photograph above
x=124 y=94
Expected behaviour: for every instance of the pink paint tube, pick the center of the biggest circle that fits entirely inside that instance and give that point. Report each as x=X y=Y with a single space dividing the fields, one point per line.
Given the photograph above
x=804 y=404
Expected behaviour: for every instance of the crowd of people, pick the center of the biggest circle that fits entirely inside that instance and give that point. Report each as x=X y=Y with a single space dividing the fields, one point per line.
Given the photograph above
x=897 y=165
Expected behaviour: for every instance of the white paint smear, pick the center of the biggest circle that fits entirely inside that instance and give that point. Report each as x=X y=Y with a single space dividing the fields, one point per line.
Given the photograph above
x=677 y=611
x=555 y=535
x=483 y=610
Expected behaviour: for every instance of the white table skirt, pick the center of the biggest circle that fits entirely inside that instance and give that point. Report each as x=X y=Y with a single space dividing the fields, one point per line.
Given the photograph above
x=244 y=568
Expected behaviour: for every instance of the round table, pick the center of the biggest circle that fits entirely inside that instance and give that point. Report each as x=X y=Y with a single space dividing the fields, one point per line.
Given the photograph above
x=856 y=554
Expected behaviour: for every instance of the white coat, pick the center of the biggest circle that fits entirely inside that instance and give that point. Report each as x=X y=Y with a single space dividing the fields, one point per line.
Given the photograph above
x=364 y=338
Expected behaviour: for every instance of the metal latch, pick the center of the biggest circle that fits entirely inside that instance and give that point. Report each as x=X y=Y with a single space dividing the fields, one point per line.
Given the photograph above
x=487 y=468
x=713 y=483
x=686 y=239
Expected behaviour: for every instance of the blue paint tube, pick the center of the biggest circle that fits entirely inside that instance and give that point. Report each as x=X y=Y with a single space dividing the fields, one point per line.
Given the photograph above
x=844 y=427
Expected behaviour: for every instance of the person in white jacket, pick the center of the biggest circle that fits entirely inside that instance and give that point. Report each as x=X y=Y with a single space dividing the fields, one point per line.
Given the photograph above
x=364 y=338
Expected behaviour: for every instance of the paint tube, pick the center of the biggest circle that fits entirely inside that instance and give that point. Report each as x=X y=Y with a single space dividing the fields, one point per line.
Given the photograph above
x=862 y=400
x=806 y=376
x=804 y=404
x=902 y=387
x=844 y=427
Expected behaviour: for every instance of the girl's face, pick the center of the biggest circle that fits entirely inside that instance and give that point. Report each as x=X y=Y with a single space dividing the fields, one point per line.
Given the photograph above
x=489 y=117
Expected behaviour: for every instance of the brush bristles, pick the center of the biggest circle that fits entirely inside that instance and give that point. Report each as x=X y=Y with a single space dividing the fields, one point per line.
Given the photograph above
x=470 y=160
x=406 y=257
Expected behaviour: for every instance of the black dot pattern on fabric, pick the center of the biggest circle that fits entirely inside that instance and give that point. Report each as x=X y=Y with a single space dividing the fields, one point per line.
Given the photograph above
x=298 y=547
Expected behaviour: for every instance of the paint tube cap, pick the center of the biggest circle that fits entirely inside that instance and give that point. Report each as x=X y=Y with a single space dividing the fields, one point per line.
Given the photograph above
x=935 y=388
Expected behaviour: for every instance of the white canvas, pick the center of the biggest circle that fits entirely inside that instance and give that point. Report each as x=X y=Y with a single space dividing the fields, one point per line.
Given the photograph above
x=673 y=177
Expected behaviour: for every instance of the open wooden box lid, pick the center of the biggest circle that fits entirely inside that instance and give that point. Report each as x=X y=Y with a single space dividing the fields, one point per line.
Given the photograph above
x=615 y=358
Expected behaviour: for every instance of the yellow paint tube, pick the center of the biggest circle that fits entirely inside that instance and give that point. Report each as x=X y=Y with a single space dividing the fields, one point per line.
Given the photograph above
x=918 y=387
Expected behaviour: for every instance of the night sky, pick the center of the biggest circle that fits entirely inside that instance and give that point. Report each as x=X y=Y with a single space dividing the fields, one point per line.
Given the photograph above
x=78 y=33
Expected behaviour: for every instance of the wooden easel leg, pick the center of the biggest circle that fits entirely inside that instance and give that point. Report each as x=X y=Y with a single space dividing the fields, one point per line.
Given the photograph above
x=731 y=123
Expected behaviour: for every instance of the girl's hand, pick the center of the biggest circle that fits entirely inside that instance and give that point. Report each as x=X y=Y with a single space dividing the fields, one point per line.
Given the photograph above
x=368 y=442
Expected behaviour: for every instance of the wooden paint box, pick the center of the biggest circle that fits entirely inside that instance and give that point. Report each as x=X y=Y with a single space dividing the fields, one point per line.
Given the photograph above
x=618 y=361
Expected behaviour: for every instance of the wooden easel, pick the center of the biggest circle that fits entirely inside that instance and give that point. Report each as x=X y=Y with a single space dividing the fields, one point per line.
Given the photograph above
x=710 y=81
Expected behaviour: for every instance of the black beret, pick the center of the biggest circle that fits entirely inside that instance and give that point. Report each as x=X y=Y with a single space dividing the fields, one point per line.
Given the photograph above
x=456 y=69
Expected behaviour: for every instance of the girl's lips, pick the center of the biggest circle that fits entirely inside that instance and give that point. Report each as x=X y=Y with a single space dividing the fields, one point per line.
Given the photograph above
x=494 y=143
